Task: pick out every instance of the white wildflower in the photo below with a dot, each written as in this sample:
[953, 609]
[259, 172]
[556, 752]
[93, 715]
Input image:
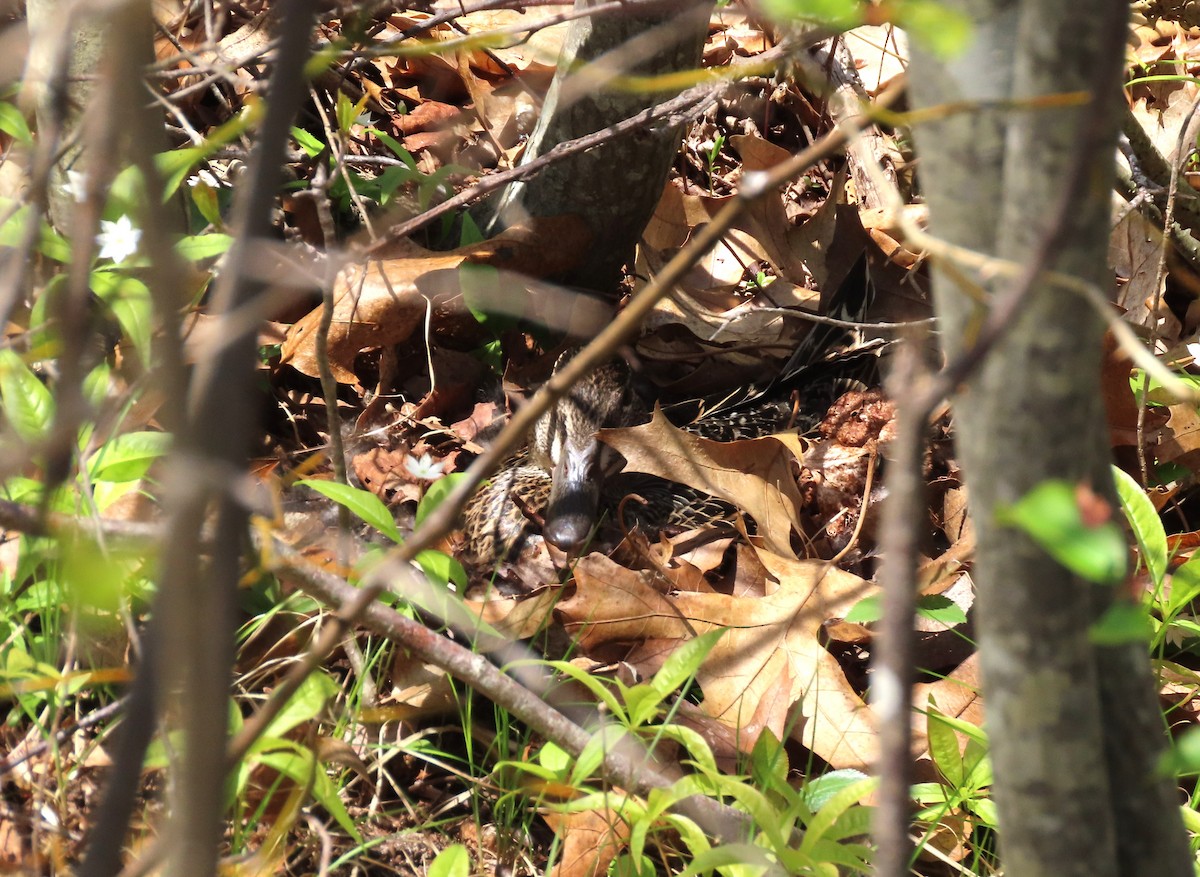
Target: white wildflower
[206, 177]
[118, 240]
[424, 469]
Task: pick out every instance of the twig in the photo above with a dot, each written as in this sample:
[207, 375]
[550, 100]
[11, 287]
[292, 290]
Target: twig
[95, 717]
[1187, 137]
[626, 763]
[907, 325]
[193, 613]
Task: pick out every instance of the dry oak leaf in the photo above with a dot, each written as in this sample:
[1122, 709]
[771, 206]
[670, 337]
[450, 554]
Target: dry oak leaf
[1181, 437]
[591, 840]
[382, 301]
[769, 670]
[756, 475]
[796, 252]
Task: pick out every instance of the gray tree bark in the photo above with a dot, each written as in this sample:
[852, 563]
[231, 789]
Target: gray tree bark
[1074, 726]
[615, 186]
[67, 44]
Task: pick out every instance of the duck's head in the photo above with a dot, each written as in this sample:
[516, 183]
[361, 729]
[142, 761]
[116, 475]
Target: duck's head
[565, 443]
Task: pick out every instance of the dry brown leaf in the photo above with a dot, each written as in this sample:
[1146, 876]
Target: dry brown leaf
[1120, 404]
[744, 326]
[958, 695]
[534, 50]
[889, 236]
[1133, 251]
[383, 301]
[797, 253]
[769, 670]
[417, 689]
[1163, 114]
[1181, 437]
[880, 54]
[675, 215]
[515, 618]
[755, 475]
[591, 840]
[376, 304]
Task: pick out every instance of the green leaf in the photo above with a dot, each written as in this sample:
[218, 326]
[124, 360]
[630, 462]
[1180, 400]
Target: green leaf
[943, 748]
[28, 403]
[453, 861]
[818, 791]
[49, 243]
[362, 503]
[838, 14]
[310, 144]
[683, 663]
[303, 706]
[941, 609]
[128, 457]
[442, 569]
[177, 164]
[696, 746]
[747, 858]
[768, 762]
[12, 123]
[834, 807]
[96, 384]
[943, 31]
[129, 301]
[300, 764]
[591, 757]
[1185, 586]
[99, 579]
[1051, 516]
[866, 610]
[347, 112]
[1146, 524]
[203, 246]
[207, 202]
[554, 758]
[394, 145]
[1184, 757]
[985, 811]
[642, 703]
[435, 494]
[1122, 623]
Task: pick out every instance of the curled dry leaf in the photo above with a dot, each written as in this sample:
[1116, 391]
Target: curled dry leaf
[755, 475]
[382, 301]
[769, 670]
[591, 840]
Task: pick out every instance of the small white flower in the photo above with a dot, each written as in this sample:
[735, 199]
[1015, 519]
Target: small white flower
[1177, 636]
[118, 240]
[204, 176]
[424, 469]
[76, 186]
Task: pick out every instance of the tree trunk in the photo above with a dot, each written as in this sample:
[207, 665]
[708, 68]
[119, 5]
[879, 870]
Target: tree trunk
[65, 51]
[615, 186]
[1074, 727]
